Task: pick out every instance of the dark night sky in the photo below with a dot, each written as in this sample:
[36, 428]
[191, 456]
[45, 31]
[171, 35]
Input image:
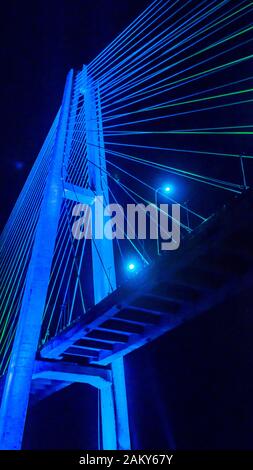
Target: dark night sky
[40, 42]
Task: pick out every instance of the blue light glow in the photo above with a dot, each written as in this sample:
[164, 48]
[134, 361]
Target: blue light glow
[168, 189]
[131, 267]
[19, 165]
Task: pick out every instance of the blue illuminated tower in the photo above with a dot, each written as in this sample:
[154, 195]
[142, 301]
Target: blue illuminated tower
[115, 432]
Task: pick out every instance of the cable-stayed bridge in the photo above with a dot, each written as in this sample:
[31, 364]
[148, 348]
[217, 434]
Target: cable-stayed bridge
[170, 97]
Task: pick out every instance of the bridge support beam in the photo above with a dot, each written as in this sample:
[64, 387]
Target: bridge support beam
[104, 280]
[19, 376]
[108, 419]
[120, 403]
[115, 426]
[114, 412]
[113, 402]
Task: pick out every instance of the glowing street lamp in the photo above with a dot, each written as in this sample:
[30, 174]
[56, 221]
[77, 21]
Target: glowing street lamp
[167, 189]
[163, 190]
[131, 267]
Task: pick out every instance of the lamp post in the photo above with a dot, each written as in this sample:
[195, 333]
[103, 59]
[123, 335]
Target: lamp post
[164, 190]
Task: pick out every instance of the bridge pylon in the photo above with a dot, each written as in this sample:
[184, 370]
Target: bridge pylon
[15, 398]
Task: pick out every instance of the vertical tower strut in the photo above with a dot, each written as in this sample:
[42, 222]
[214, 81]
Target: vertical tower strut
[104, 280]
[18, 381]
[115, 427]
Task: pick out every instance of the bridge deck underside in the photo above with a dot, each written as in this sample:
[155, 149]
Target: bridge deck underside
[214, 263]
